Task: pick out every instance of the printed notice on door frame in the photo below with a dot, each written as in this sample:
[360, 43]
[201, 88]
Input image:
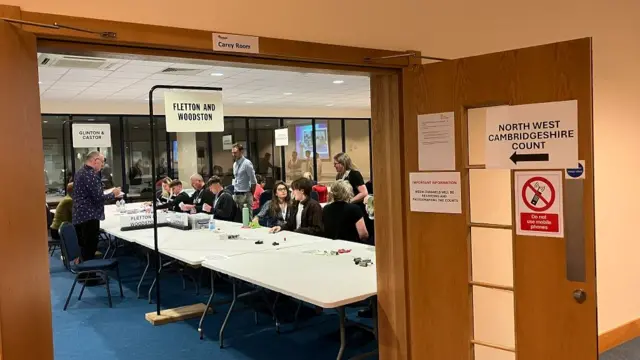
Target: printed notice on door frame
[436, 142]
[435, 192]
[539, 203]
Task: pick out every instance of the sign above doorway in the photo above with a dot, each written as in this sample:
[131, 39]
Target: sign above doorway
[532, 136]
[236, 43]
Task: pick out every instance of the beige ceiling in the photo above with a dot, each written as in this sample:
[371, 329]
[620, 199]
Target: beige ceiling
[125, 80]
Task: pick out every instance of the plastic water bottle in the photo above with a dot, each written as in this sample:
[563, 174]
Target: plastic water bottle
[123, 206]
[212, 223]
[246, 216]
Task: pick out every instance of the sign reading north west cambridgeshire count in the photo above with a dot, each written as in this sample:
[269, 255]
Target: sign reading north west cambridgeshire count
[533, 136]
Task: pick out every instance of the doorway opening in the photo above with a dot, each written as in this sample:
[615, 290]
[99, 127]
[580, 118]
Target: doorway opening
[288, 284]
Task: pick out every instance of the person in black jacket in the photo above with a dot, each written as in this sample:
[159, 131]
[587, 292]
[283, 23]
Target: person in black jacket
[222, 206]
[182, 200]
[306, 214]
[201, 195]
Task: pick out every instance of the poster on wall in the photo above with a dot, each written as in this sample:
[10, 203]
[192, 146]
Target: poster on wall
[539, 203]
[227, 142]
[436, 142]
[194, 111]
[304, 141]
[435, 192]
[91, 135]
[282, 137]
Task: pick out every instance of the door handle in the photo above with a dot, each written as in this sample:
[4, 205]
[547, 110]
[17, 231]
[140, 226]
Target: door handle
[579, 296]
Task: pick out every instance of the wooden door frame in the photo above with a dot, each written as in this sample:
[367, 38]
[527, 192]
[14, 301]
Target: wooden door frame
[392, 105]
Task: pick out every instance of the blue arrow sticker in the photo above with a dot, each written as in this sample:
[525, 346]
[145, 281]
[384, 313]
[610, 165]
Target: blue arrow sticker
[576, 173]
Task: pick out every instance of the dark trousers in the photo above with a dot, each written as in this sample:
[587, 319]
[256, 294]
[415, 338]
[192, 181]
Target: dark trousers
[88, 235]
[55, 235]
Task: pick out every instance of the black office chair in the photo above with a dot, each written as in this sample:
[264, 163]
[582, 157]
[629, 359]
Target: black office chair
[53, 244]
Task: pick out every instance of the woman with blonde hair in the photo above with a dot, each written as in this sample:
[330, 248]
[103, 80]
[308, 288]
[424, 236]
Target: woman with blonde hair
[342, 219]
[164, 197]
[348, 171]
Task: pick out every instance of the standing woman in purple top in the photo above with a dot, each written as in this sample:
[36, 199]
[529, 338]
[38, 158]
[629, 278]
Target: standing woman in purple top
[88, 203]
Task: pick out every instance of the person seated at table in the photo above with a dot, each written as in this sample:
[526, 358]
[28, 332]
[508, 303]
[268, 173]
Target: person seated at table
[164, 197]
[342, 219]
[201, 195]
[63, 213]
[222, 206]
[306, 213]
[276, 211]
[182, 200]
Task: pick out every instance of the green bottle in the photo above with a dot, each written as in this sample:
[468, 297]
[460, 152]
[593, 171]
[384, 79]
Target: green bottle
[246, 216]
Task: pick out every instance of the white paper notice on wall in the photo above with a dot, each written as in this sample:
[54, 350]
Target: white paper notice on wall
[282, 137]
[435, 192]
[91, 135]
[533, 136]
[194, 111]
[236, 43]
[227, 142]
[436, 142]
[539, 203]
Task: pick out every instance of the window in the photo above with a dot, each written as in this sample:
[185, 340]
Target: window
[54, 155]
[263, 153]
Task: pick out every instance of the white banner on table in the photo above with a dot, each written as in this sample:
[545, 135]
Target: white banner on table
[91, 135]
[194, 111]
[227, 142]
[141, 219]
[282, 137]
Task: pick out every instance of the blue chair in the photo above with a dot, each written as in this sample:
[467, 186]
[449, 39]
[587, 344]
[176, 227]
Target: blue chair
[71, 249]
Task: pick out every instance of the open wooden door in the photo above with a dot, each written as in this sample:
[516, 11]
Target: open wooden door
[25, 305]
[477, 289]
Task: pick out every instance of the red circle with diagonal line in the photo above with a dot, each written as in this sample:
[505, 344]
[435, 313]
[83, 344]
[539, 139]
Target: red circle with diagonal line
[542, 203]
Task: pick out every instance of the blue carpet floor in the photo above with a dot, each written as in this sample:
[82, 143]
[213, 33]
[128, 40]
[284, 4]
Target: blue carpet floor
[89, 329]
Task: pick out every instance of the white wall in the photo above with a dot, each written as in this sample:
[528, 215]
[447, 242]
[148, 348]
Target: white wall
[457, 28]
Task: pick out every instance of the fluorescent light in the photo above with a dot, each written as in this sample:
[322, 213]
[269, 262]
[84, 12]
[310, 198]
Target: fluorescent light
[338, 81]
[329, 104]
[45, 121]
[288, 93]
[249, 102]
[217, 74]
[91, 119]
[40, 82]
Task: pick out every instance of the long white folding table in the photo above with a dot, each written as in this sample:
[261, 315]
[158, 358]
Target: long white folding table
[299, 266]
[308, 273]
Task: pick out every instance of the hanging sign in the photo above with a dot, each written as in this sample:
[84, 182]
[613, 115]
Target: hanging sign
[576, 172]
[539, 203]
[91, 135]
[534, 136]
[227, 142]
[435, 192]
[194, 111]
[236, 43]
[282, 137]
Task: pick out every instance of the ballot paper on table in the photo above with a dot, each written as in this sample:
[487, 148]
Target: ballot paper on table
[109, 191]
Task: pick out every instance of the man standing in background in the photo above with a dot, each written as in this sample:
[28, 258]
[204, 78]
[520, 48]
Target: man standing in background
[244, 178]
[88, 203]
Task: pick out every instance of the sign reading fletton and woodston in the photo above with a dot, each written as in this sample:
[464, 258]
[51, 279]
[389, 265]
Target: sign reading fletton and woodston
[190, 111]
